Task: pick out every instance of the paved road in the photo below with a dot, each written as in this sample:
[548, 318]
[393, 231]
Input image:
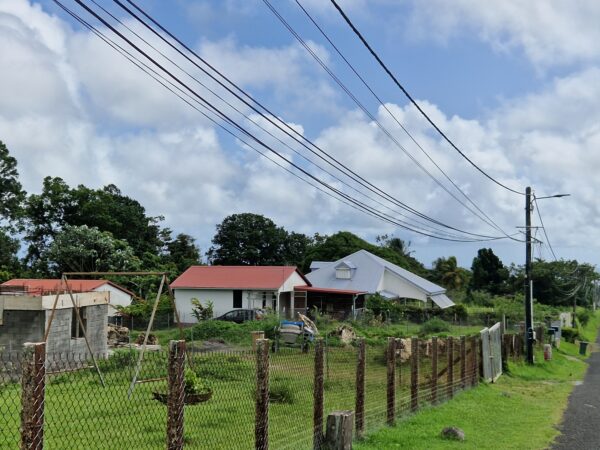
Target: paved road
[581, 426]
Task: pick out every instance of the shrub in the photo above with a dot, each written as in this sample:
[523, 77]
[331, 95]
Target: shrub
[280, 392]
[584, 316]
[202, 312]
[570, 334]
[435, 325]
[223, 367]
[194, 384]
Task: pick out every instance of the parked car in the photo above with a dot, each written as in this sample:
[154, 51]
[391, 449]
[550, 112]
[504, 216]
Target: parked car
[242, 315]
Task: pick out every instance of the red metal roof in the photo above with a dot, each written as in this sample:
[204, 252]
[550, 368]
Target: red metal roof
[34, 286]
[327, 290]
[235, 277]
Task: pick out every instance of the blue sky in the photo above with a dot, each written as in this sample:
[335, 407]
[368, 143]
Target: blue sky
[514, 85]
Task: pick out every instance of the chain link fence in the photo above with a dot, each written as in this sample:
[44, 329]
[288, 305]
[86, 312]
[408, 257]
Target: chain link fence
[242, 399]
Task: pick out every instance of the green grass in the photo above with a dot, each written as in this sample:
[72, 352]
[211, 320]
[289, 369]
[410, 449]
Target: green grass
[521, 410]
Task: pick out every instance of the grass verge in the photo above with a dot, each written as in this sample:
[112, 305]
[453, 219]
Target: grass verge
[520, 411]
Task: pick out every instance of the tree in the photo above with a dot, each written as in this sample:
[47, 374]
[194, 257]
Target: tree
[247, 239]
[9, 262]
[12, 194]
[182, 252]
[106, 209]
[489, 274]
[446, 272]
[85, 249]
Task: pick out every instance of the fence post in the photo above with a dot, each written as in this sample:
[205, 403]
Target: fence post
[434, 369]
[450, 374]
[463, 362]
[540, 336]
[261, 424]
[504, 352]
[391, 381]
[339, 430]
[359, 416]
[475, 366]
[33, 382]
[414, 373]
[176, 396]
[318, 396]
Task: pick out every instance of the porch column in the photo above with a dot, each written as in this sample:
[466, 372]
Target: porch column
[354, 306]
[292, 305]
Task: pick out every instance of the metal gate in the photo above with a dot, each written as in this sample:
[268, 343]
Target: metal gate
[491, 346]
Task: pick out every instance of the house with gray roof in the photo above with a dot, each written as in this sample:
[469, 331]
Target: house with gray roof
[362, 272]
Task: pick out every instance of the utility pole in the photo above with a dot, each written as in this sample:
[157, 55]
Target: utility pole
[528, 280]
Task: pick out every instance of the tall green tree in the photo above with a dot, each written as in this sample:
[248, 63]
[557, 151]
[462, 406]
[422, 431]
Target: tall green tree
[106, 209]
[182, 252]
[87, 249]
[447, 272]
[12, 194]
[488, 273]
[10, 267]
[247, 239]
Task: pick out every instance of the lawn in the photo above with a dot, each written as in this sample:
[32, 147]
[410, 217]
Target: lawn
[520, 411]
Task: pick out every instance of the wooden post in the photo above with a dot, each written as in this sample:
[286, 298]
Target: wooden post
[540, 335]
[463, 362]
[391, 381]
[261, 425]
[434, 369]
[475, 364]
[360, 388]
[33, 389]
[450, 374]
[504, 352]
[414, 374]
[176, 397]
[255, 336]
[318, 389]
[339, 430]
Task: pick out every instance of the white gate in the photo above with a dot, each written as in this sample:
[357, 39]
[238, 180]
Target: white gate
[491, 346]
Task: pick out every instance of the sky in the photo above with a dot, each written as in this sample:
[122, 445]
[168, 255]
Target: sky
[514, 84]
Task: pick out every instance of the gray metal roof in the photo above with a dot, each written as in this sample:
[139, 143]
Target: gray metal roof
[368, 274]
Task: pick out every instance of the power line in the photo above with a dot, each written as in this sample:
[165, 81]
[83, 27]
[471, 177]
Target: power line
[247, 117]
[537, 208]
[375, 120]
[412, 100]
[354, 176]
[384, 105]
[244, 131]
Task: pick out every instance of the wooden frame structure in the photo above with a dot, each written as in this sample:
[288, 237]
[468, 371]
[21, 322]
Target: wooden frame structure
[164, 281]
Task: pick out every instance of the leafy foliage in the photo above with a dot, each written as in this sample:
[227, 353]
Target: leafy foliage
[12, 194]
[434, 325]
[202, 312]
[489, 274]
[254, 240]
[195, 384]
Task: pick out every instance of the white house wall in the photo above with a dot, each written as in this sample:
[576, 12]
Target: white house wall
[393, 283]
[117, 297]
[222, 301]
[293, 280]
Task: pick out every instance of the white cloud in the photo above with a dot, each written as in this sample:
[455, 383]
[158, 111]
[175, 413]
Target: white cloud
[549, 32]
[100, 121]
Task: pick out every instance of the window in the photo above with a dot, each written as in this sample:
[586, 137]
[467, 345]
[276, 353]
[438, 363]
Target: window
[342, 273]
[76, 330]
[237, 299]
[264, 300]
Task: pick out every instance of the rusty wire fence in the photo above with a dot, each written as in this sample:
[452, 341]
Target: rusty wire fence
[251, 399]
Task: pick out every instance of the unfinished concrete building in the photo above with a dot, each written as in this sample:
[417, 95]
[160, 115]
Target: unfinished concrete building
[24, 318]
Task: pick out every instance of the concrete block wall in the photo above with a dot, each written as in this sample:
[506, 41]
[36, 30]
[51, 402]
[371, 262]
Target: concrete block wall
[60, 341]
[20, 327]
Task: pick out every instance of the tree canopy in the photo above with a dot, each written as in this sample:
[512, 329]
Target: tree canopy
[255, 240]
[12, 194]
[488, 273]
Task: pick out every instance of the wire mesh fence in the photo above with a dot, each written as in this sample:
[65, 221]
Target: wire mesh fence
[101, 408]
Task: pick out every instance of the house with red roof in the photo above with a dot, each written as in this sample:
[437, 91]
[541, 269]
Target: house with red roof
[118, 295]
[240, 287]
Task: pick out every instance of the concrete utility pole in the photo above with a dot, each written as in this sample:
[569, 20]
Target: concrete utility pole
[528, 274]
[528, 282]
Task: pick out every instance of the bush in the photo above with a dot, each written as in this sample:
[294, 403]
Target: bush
[435, 325]
[584, 316]
[202, 312]
[570, 334]
[194, 384]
